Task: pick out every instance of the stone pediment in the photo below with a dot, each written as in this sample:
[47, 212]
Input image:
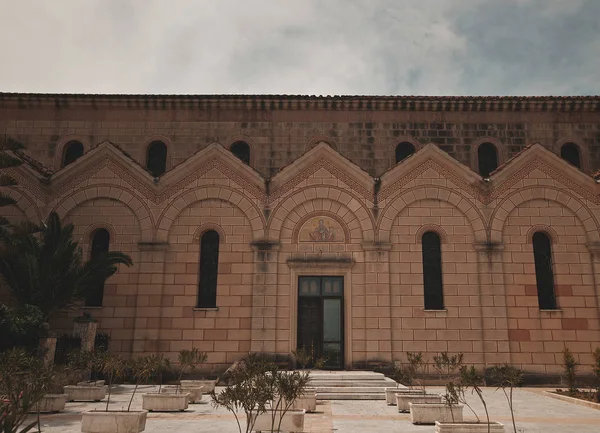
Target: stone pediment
[321, 161]
[429, 157]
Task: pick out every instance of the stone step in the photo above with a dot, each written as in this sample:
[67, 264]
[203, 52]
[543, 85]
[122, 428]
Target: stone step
[353, 383]
[350, 396]
[351, 389]
[359, 375]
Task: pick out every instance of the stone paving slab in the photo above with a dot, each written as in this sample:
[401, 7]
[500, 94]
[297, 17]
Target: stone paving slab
[535, 413]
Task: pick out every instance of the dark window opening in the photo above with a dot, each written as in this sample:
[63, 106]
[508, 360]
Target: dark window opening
[542, 253]
[156, 158]
[404, 150]
[432, 271]
[209, 269]
[242, 151]
[570, 153]
[72, 152]
[487, 158]
[100, 243]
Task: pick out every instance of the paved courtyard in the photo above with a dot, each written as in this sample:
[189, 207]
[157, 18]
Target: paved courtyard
[535, 413]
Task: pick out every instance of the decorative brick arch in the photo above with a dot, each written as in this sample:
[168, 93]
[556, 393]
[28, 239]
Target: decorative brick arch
[234, 139]
[207, 227]
[87, 235]
[63, 206]
[561, 197]
[305, 218]
[322, 139]
[439, 230]
[333, 194]
[432, 192]
[216, 192]
[148, 141]
[542, 228]
[25, 204]
[500, 149]
[401, 139]
[60, 148]
[584, 153]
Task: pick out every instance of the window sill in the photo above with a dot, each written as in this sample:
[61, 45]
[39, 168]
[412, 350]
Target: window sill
[444, 310]
[551, 310]
[92, 308]
[206, 309]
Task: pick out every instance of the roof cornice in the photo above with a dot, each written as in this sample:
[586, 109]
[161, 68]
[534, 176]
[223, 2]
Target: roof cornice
[308, 102]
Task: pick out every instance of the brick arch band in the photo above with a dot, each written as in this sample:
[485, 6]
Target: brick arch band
[338, 198]
[187, 198]
[127, 197]
[208, 227]
[408, 197]
[26, 204]
[300, 223]
[562, 198]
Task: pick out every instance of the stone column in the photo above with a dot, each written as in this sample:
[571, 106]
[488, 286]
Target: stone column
[86, 330]
[264, 297]
[47, 346]
[594, 249]
[494, 344]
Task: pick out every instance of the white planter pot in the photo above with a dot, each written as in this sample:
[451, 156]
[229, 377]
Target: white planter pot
[292, 421]
[208, 386]
[424, 413]
[85, 393]
[165, 402]
[50, 403]
[113, 421]
[403, 400]
[194, 392]
[91, 383]
[308, 403]
[390, 394]
[468, 427]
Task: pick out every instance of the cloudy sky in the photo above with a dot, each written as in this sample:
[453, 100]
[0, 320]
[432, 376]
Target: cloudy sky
[321, 47]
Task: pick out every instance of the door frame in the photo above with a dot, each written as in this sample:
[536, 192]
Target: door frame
[341, 269]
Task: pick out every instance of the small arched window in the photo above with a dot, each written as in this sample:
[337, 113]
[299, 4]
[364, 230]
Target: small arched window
[242, 151]
[209, 270]
[100, 243]
[570, 153]
[432, 271]
[487, 159]
[542, 254]
[156, 158]
[404, 150]
[73, 151]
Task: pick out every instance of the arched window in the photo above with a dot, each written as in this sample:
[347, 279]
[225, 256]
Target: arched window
[487, 159]
[542, 254]
[156, 158]
[404, 150]
[432, 271]
[242, 151]
[570, 153]
[73, 151]
[209, 270]
[100, 243]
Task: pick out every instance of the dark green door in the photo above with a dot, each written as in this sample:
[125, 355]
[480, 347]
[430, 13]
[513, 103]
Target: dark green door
[321, 319]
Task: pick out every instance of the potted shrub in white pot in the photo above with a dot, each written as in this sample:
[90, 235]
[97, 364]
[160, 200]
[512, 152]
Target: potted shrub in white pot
[156, 401]
[188, 361]
[450, 409]
[81, 363]
[193, 360]
[507, 378]
[110, 421]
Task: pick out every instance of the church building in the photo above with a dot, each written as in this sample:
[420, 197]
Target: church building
[355, 227]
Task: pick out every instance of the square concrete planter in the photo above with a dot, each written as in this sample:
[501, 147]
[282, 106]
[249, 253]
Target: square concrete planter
[403, 400]
[207, 385]
[292, 421]
[423, 413]
[50, 403]
[96, 421]
[307, 402]
[91, 383]
[390, 394]
[85, 393]
[155, 402]
[195, 392]
[468, 427]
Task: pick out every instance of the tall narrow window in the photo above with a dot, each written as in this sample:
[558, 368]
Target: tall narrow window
[487, 158]
[156, 158]
[209, 270]
[242, 151]
[404, 150]
[73, 151]
[542, 254]
[432, 271]
[570, 153]
[100, 243]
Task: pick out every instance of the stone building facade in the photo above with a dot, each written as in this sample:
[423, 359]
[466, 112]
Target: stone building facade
[358, 227]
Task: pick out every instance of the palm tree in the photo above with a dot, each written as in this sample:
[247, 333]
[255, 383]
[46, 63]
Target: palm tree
[47, 269]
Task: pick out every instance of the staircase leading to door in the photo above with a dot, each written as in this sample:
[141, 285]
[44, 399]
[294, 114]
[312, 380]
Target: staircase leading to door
[350, 385]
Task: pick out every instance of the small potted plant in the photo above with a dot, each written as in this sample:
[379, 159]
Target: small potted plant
[156, 401]
[81, 362]
[406, 375]
[55, 400]
[188, 361]
[507, 378]
[450, 409]
[110, 421]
